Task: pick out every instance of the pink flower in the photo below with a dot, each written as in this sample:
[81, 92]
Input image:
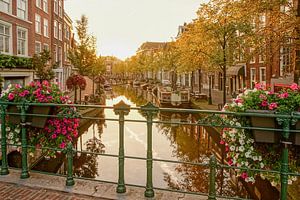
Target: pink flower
[294, 86]
[230, 162]
[53, 136]
[222, 142]
[62, 145]
[264, 103]
[262, 96]
[283, 95]
[273, 106]
[11, 96]
[22, 94]
[238, 100]
[258, 86]
[270, 93]
[244, 175]
[18, 86]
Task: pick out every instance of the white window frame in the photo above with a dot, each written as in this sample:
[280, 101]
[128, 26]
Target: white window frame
[55, 32]
[46, 45]
[60, 56]
[60, 31]
[38, 24]
[20, 9]
[252, 59]
[252, 78]
[56, 53]
[261, 58]
[38, 3]
[26, 41]
[261, 77]
[45, 6]
[285, 58]
[56, 6]
[9, 3]
[9, 39]
[60, 8]
[46, 27]
[35, 49]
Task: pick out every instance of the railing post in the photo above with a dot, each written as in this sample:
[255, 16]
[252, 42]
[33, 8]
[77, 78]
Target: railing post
[4, 166]
[149, 110]
[24, 108]
[212, 178]
[285, 122]
[70, 152]
[121, 109]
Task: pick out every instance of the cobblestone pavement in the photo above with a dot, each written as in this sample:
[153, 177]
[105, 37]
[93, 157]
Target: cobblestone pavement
[9, 191]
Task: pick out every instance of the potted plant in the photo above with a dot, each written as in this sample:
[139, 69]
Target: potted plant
[35, 92]
[56, 131]
[243, 147]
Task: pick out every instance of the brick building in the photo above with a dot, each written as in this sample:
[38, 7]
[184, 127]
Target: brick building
[29, 26]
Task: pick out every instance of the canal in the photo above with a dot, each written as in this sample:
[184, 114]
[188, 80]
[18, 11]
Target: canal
[171, 142]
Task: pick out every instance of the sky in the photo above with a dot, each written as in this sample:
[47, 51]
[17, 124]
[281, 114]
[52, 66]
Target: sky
[121, 26]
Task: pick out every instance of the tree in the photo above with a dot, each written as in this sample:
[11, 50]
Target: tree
[83, 55]
[42, 66]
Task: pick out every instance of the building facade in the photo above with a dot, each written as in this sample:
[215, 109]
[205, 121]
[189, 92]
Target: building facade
[27, 27]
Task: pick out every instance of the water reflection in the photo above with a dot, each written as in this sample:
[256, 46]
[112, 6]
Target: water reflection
[186, 143]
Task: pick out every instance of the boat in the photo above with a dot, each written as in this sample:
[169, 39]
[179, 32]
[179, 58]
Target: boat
[166, 97]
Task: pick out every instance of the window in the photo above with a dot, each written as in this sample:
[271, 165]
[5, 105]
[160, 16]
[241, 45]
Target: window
[37, 23]
[5, 38]
[285, 59]
[45, 5]
[21, 9]
[262, 21]
[60, 31]
[38, 47]
[55, 53]
[60, 10]
[60, 56]
[46, 47]
[262, 75]
[46, 29]
[261, 58]
[5, 6]
[252, 77]
[252, 59]
[66, 49]
[22, 41]
[38, 3]
[56, 6]
[55, 29]
[67, 32]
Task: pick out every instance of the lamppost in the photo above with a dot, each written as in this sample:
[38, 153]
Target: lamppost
[209, 88]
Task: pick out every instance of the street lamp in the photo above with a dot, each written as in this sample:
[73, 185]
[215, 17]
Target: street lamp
[209, 88]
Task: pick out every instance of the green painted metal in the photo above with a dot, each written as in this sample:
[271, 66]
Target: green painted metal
[4, 166]
[121, 109]
[212, 178]
[285, 156]
[70, 153]
[24, 108]
[211, 119]
[149, 110]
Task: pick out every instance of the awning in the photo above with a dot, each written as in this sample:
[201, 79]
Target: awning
[235, 70]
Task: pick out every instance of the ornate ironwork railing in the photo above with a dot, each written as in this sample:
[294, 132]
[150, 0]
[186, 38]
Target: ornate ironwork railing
[211, 119]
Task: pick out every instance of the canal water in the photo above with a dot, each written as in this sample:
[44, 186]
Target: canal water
[171, 142]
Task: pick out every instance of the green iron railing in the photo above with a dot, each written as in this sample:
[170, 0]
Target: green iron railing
[211, 119]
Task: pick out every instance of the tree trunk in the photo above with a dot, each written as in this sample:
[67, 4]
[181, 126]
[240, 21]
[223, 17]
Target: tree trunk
[224, 85]
[75, 95]
[297, 63]
[79, 95]
[200, 81]
[192, 82]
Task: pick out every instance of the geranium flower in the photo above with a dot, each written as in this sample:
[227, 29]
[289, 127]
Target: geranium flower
[294, 86]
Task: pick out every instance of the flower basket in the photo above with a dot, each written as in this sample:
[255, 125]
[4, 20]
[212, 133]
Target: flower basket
[36, 121]
[264, 122]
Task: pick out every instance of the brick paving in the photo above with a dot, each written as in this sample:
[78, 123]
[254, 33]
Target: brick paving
[9, 191]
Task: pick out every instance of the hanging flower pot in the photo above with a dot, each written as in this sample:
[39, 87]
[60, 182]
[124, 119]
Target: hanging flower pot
[265, 136]
[35, 121]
